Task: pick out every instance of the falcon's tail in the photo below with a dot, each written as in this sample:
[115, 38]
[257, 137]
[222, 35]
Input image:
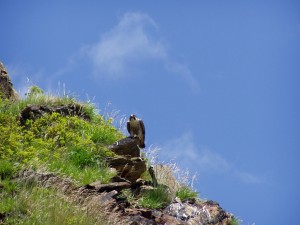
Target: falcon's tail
[142, 145]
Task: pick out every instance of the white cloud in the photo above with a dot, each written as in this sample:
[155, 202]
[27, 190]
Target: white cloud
[247, 178]
[185, 72]
[134, 40]
[125, 44]
[185, 152]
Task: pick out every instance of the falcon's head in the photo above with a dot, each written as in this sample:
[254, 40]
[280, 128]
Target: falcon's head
[132, 117]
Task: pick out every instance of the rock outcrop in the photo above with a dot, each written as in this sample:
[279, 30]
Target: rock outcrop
[32, 112]
[109, 199]
[126, 147]
[205, 212]
[128, 162]
[6, 87]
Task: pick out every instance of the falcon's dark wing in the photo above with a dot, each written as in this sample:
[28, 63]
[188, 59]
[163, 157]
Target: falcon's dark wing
[142, 127]
[128, 127]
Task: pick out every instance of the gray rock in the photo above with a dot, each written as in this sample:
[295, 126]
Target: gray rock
[204, 213]
[108, 196]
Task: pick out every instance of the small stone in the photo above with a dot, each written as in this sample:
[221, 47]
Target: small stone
[118, 186]
[108, 196]
[177, 200]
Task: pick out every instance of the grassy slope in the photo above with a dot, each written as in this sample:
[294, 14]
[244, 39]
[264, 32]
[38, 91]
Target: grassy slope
[68, 145]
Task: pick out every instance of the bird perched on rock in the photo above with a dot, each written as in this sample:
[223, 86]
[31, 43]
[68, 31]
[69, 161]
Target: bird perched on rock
[136, 128]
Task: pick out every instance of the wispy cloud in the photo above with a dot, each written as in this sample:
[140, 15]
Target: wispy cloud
[132, 43]
[134, 40]
[247, 178]
[183, 71]
[127, 43]
[184, 150]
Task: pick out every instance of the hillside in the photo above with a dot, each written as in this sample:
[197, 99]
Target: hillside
[61, 162]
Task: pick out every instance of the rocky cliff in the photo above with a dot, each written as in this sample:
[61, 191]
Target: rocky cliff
[120, 199]
[130, 166]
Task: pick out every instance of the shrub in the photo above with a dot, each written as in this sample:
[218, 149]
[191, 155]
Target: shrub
[185, 193]
[9, 186]
[34, 90]
[6, 169]
[10, 137]
[81, 157]
[102, 132]
[156, 198]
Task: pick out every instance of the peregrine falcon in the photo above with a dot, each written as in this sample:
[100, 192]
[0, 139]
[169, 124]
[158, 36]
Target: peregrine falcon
[136, 128]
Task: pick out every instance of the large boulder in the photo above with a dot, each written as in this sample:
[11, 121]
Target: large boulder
[129, 168]
[6, 87]
[128, 162]
[206, 212]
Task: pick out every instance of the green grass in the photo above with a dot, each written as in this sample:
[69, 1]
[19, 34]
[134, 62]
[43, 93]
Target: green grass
[83, 175]
[185, 193]
[156, 198]
[37, 205]
[235, 221]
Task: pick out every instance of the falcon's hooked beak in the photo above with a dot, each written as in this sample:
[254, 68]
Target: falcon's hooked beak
[132, 117]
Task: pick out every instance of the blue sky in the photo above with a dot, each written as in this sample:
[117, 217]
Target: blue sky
[216, 83]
